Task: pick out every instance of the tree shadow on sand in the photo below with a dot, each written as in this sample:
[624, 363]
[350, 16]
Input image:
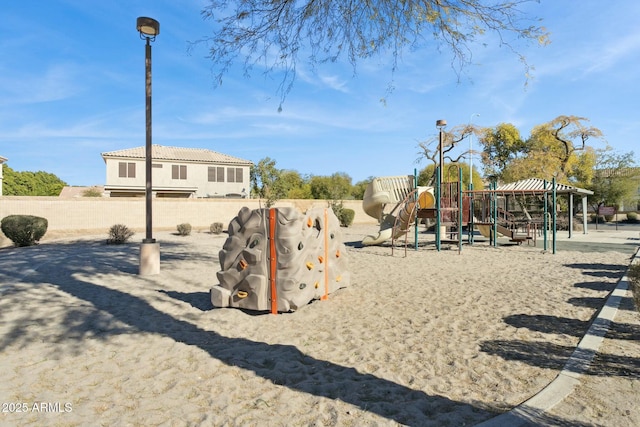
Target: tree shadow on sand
[106, 312]
[199, 300]
[554, 356]
[111, 312]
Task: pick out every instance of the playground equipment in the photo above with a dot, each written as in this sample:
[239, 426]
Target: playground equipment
[493, 215]
[279, 259]
[405, 198]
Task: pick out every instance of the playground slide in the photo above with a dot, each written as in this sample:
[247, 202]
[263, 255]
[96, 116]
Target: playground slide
[485, 230]
[393, 191]
[385, 190]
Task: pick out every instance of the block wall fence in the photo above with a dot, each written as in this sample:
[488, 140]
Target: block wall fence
[89, 215]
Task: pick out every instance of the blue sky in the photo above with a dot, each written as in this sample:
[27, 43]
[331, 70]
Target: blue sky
[72, 87]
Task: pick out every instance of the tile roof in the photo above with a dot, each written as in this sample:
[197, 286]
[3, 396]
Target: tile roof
[161, 152]
[537, 184]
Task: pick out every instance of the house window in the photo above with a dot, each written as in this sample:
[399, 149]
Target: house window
[126, 170]
[216, 174]
[179, 171]
[234, 174]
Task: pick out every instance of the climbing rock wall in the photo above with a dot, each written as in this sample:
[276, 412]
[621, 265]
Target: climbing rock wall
[279, 259]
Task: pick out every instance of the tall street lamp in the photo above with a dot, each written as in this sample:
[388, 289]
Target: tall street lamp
[441, 124]
[148, 29]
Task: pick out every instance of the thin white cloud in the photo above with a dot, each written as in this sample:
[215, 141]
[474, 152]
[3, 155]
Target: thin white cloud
[628, 47]
[57, 82]
[334, 82]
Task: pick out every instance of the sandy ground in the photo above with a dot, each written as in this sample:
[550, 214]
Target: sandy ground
[430, 339]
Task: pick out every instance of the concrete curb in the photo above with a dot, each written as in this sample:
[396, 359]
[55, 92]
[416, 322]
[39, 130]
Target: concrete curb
[533, 409]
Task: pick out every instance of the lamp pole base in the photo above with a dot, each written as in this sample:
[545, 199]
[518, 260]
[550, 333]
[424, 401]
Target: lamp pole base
[149, 258]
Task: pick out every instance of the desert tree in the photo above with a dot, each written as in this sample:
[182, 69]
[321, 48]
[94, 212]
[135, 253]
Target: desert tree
[337, 186]
[615, 180]
[563, 142]
[430, 151]
[276, 35]
[502, 145]
[295, 185]
[265, 181]
[557, 149]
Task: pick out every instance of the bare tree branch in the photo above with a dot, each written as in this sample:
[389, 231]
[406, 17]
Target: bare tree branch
[277, 34]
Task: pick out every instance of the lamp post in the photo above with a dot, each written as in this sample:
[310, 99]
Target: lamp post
[148, 29]
[440, 229]
[441, 124]
[471, 152]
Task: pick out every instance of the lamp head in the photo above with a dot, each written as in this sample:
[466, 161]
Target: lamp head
[441, 123]
[147, 27]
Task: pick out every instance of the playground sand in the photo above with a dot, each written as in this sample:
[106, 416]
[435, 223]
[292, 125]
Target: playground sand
[430, 339]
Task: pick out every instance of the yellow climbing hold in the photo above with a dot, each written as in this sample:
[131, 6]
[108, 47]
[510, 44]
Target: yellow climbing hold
[310, 265]
[338, 278]
[243, 294]
[316, 285]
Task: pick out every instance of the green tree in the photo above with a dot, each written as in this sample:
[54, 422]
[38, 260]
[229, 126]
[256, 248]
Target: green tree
[562, 145]
[360, 187]
[615, 181]
[27, 183]
[501, 146]
[426, 175]
[294, 185]
[334, 187]
[275, 34]
[265, 181]
[554, 149]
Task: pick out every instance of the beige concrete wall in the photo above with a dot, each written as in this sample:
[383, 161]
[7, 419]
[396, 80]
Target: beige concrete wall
[89, 215]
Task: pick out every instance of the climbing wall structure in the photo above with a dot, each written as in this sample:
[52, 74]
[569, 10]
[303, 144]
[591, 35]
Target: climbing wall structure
[279, 259]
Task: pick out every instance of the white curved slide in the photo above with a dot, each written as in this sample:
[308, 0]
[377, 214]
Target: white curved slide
[393, 191]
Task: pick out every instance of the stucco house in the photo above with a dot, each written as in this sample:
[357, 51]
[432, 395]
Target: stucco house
[176, 172]
[2, 160]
